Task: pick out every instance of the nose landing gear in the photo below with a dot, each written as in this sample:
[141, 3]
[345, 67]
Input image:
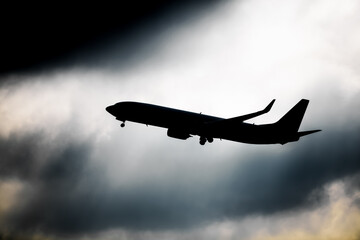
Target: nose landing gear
[122, 124]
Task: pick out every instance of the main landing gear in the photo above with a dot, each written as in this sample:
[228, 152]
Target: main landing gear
[122, 124]
[203, 140]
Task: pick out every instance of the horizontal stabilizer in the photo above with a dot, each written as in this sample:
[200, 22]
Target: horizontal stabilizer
[301, 134]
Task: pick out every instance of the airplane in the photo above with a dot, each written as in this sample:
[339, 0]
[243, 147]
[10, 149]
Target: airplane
[183, 124]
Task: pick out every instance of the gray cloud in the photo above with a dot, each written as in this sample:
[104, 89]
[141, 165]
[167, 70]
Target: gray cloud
[33, 157]
[66, 193]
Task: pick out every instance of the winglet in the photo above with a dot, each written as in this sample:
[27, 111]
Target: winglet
[267, 109]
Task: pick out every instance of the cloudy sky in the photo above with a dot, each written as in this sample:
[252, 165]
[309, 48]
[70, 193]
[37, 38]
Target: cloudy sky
[68, 171]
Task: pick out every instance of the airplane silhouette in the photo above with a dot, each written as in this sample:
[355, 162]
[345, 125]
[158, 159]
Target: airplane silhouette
[183, 124]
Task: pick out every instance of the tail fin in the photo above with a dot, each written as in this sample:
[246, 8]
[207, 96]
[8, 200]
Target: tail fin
[292, 119]
[289, 124]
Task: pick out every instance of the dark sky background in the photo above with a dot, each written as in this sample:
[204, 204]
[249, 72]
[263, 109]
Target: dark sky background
[67, 170]
[39, 36]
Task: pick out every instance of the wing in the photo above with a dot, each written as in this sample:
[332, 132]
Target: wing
[252, 115]
[247, 116]
[210, 126]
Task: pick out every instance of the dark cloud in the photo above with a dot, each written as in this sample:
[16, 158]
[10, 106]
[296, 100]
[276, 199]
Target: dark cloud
[67, 194]
[18, 156]
[38, 36]
[32, 157]
[295, 180]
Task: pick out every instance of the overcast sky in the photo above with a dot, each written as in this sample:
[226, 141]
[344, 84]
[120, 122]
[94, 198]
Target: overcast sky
[68, 171]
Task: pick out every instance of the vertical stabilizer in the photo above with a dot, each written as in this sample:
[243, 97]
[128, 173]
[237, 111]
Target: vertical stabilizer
[292, 119]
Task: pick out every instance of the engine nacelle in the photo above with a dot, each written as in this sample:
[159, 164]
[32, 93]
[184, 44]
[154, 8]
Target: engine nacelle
[179, 134]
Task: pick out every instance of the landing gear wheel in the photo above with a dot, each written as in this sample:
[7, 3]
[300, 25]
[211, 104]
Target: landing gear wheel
[202, 141]
[122, 125]
[210, 140]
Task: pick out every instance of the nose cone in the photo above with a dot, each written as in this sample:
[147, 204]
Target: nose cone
[110, 109]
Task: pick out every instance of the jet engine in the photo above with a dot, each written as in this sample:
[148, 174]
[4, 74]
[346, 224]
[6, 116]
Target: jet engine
[179, 134]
